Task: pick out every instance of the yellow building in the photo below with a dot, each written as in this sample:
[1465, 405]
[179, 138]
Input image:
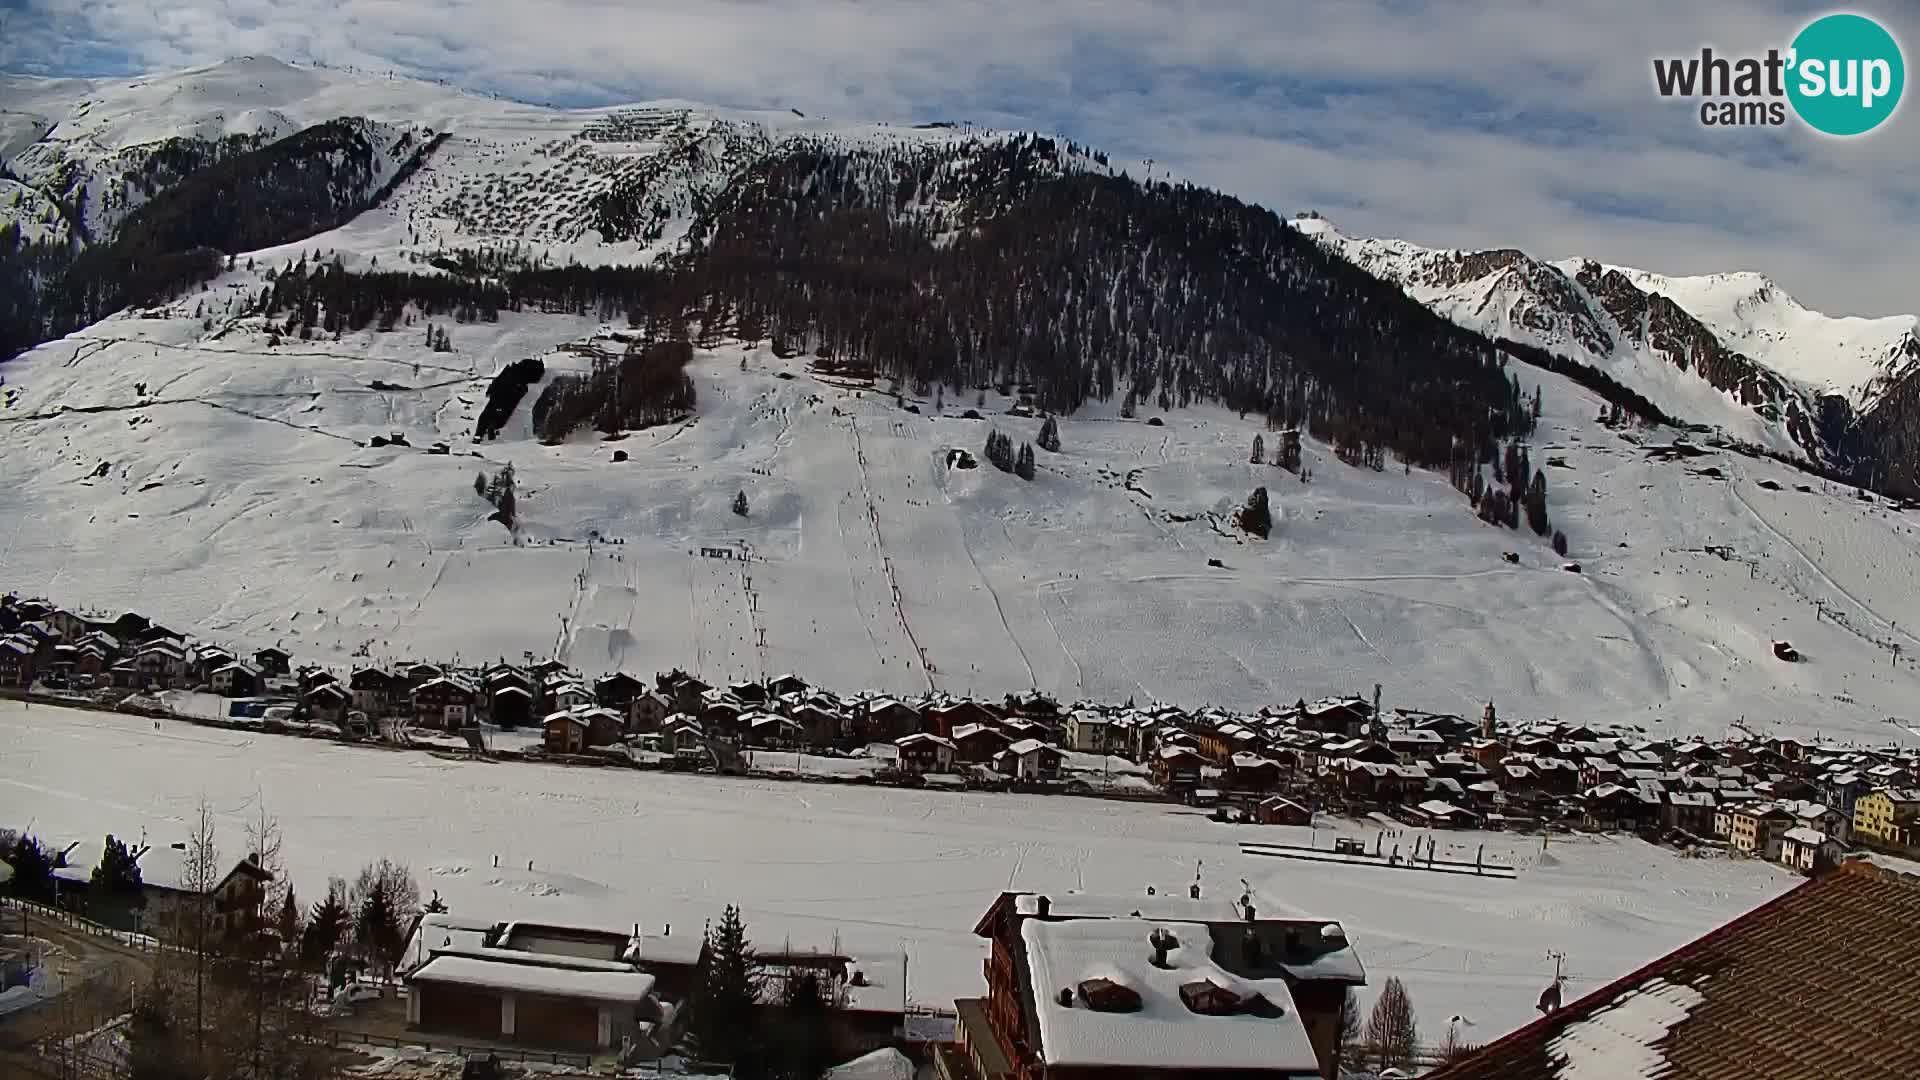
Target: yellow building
[1888, 816]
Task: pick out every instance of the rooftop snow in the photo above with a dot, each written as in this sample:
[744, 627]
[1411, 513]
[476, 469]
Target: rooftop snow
[1619, 1041]
[615, 986]
[1164, 1033]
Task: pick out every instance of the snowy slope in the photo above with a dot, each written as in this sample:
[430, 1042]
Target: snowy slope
[242, 478]
[1856, 358]
[509, 174]
[1692, 359]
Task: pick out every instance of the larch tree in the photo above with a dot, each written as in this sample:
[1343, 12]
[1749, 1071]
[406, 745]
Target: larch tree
[1393, 1033]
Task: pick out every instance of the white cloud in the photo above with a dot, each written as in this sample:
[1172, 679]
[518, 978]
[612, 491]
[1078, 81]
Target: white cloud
[1447, 122]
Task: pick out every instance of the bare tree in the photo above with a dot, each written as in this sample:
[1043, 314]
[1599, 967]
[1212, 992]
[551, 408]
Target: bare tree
[1393, 1035]
[200, 877]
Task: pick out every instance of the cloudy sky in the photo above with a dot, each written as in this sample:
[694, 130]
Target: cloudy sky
[1525, 123]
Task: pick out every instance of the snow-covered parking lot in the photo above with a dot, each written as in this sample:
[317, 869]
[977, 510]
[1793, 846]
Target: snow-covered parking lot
[881, 868]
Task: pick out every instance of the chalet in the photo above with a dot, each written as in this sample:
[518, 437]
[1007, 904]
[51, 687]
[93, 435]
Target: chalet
[550, 671]
[1097, 987]
[1439, 814]
[1338, 716]
[16, 662]
[948, 717]
[1252, 774]
[1030, 759]
[419, 674]
[272, 661]
[511, 705]
[1088, 732]
[561, 696]
[1177, 769]
[749, 693]
[328, 702]
[375, 691]
[162, 664]
[203, 659]
[885, 719]
[819, 727]
[977, 743]
[562, 988]
[1842, 789]
[1453, 730]
[682, 732]
[720, 713]
[771, 731]
[1888, 817]
[445, 702]
[1688, 811]
[565, 733]
[1411, 746]
[70, 626]
[922, 753]
[239, 901]
[686, 690]
[617, 691]
[234, 679]
[1808, 850]
[1803, 958]
[1754, 829]
[1618, 807]
[648, 710]
[783, 685]
[1275, 810]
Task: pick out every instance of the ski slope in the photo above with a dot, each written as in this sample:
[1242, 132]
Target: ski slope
[883, 870]
[238, 497]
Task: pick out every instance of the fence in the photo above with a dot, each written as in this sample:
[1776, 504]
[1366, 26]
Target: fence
[80, 923]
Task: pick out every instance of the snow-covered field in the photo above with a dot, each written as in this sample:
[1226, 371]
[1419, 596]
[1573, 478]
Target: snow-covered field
[884, 869]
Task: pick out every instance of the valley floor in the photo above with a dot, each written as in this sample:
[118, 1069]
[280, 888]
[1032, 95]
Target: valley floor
[883, 870]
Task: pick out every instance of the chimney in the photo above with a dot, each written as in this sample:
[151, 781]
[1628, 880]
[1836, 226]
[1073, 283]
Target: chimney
[1043, 906]
[1248, 901]
[1163, 943]
[1194, 891]
[1066, 997]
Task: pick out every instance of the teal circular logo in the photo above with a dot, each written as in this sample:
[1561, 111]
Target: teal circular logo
[1846, 74]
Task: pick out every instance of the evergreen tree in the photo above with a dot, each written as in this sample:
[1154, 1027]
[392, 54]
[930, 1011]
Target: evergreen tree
[740, 504]
[1255, 517]
[1259, 451]
[1393, 1034]
[118, 873]
[725, 1005]
[32, 870]
[1559, 543]
[480, 484]
[377, 931]
[1049, 439]
[1537, 504]
[286, 922]
[325, 927]
[1023, 462]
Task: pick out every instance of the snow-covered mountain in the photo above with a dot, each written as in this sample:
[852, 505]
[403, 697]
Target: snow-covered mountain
[1732, 351]
[210, 457]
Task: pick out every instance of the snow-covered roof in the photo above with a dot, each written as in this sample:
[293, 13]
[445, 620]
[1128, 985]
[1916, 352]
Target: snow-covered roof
[924, 737]
[1804, 835]
[1441, 808]
[1164, 1033]
[615, 986]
